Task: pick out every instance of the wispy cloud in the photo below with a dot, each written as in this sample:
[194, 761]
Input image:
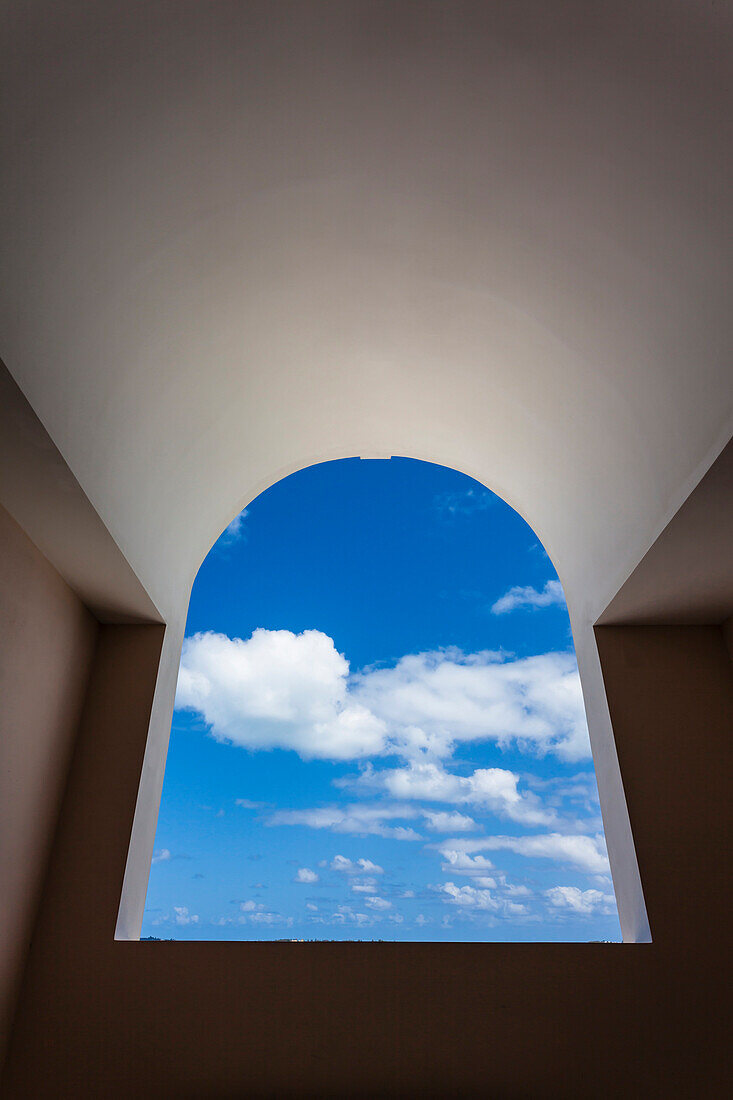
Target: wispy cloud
[465, 503]
[235, 531]
[523, 598]
[358, 819]
[161, 856]
[363, 886]
[585, 853]
[440, 821]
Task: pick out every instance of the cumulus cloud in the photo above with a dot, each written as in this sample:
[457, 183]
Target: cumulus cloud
[585, 902]
[161, 856]
[183, 917]
[359, 819]
[277, 690]
[493, 789]
[285, 690]
[254, 912]
[521, 597]
[304, 874]
[585, 853]
[472, 897]
[355, 867]
[430, 702]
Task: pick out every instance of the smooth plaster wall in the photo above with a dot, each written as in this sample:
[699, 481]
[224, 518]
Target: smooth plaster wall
[47, 640]
[103, 1018]
[42, 495]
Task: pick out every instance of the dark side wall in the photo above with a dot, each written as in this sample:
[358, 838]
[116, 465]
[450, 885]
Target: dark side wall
[107, 1019]
[47, 640]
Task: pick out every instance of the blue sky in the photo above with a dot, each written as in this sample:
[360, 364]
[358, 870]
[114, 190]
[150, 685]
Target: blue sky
[379, 731]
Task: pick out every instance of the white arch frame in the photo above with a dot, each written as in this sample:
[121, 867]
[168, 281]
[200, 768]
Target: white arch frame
[619, 839]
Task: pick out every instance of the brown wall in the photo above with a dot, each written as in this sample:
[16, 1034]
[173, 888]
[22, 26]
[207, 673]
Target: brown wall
[100, 1018]
[47, 640]
[727, 629]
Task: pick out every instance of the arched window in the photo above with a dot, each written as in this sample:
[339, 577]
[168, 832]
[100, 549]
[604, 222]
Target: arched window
[379, 728]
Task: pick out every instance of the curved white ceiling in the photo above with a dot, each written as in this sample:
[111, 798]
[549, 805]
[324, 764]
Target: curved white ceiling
[241, 237]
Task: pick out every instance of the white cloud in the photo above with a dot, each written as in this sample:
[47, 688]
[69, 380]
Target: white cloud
[183, 917]
[469, 896]
[345, 915]
[461, 863]
[366, 865]
[441, 822]
[586, 853]
[279, 689]
[235, 530]
[512, 890]
[305, 874]
[493, 789]
[357, 819]
[466, 502]
[248, 804]
[378, 903]
[162, 856]
[472, 897]
[269, 918]
[524, 597]
[429, 702]
[364, 886]
[359, 867]
[580, 901]
[253, 912]
[476, 867]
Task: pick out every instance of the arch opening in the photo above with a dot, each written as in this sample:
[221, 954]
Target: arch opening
[379, 729]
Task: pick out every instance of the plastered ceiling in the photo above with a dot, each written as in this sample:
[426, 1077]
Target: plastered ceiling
[242, 237]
